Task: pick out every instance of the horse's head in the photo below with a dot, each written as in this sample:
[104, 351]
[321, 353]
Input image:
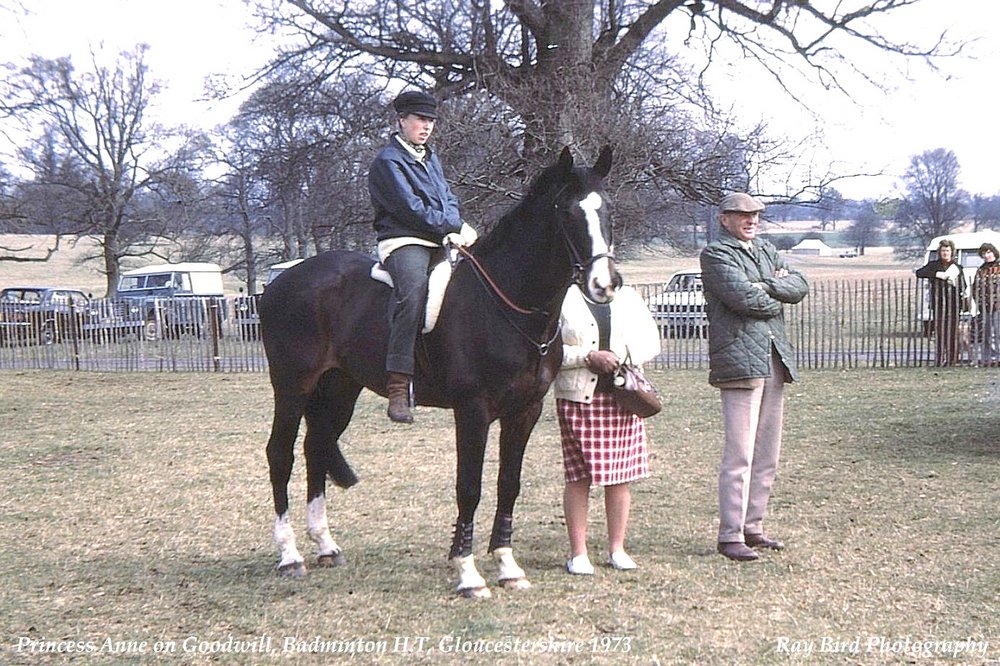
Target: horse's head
[585, 221]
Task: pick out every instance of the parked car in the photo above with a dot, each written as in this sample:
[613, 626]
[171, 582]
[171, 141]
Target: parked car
[43, 315]
[165, 300]
[679, 310]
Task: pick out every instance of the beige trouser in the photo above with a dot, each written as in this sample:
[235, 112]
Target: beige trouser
[752, 420]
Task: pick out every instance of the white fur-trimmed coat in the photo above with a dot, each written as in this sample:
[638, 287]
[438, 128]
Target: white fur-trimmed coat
[633, 332]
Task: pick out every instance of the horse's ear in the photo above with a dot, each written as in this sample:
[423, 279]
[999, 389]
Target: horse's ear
[602, 167]
[566, 159]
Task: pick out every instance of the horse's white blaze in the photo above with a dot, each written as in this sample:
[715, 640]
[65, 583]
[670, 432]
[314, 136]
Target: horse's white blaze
[284, 536]
[509, 569]
[468, 575]
[600, 272]
[318, 527]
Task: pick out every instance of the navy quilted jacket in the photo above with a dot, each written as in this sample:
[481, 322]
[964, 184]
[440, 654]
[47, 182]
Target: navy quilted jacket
[410, 198]
[745, 306]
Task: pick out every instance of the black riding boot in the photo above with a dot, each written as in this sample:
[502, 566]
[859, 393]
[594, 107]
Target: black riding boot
[398, 386]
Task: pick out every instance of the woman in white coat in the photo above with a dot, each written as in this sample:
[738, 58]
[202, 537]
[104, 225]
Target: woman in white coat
[601, 444]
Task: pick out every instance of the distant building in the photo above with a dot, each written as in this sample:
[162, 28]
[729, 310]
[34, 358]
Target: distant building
[812, 246]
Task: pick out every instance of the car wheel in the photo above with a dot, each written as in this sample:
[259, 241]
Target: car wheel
[150, 331]
[48, 336]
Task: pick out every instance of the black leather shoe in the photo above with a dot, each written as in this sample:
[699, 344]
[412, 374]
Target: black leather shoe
[737, 551]
[763, 541]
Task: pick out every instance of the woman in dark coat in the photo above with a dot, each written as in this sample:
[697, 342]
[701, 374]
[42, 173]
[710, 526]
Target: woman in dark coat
[986, 292]
[948, 293]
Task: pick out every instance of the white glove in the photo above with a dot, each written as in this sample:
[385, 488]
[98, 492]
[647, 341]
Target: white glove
[469, 234]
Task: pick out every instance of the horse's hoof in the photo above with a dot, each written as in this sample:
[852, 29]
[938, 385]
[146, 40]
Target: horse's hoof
[292, 570]
[515, 583]
[475, 593]
[331, 560]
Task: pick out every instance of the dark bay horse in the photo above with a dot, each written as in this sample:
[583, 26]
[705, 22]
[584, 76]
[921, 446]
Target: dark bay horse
[492, 355]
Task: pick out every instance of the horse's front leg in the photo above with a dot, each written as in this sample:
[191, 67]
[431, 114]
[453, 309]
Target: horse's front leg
[471, 430]
[514, 433]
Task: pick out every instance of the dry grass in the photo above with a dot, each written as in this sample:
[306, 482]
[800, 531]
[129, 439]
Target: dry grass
[69, 267]
[137, 508]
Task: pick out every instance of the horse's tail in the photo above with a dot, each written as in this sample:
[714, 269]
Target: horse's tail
[340, 471]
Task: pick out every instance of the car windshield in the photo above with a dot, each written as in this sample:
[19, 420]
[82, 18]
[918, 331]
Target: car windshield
[685, 283]
[22, 296]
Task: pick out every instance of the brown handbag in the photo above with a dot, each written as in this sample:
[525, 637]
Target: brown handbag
[633, 392]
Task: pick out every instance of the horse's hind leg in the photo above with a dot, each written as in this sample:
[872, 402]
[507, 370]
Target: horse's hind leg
[327, 415]
[514, 433]
[280, 456]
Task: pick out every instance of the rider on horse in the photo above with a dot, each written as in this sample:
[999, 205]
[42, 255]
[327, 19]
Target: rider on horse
[415, 210]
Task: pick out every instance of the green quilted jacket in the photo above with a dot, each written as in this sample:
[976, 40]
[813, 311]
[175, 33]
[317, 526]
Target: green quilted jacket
[745, 306]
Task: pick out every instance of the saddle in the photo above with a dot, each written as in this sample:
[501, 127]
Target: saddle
[438, 280]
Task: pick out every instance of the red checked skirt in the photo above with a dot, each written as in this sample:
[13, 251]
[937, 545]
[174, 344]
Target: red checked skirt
[602, 443]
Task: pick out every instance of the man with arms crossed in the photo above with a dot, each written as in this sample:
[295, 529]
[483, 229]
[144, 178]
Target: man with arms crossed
[750, 359]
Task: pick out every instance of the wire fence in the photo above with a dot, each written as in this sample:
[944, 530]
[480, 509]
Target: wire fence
[842, 324]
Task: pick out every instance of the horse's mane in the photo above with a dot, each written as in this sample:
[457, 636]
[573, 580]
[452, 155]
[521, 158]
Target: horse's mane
[546, 181]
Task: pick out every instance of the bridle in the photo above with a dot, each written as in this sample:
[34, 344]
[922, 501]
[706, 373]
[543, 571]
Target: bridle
[580, 268]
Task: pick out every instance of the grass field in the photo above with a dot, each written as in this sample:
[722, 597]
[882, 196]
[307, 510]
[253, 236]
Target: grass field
[136, 514]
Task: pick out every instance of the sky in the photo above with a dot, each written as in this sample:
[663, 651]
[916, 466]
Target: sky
[878, 132]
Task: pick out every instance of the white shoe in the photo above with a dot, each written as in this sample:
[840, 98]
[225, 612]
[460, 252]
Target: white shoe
[621, 561]
[580, 566]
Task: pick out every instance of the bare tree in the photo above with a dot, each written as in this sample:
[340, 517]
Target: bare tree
[985, 211]
[934, 203]
[588, 72]
[95, 121]
[866, 226]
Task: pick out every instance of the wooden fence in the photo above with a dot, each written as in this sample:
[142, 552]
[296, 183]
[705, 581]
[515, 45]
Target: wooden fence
[842, 324]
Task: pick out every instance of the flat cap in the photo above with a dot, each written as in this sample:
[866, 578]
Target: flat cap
[416, 101]
[740, 202]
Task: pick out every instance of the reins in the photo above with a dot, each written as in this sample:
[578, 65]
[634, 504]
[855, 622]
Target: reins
[494, 289]
[484, 276]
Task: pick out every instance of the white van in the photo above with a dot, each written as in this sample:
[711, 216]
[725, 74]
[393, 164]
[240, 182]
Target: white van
[168, 280]
[967, 256]
[163, 300]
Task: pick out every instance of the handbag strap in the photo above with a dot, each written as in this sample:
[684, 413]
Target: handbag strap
[628, 357]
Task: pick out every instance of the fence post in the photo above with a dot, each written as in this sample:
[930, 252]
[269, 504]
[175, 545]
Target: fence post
[73, 332]
[213, 313]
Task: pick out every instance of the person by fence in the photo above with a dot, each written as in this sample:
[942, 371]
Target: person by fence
[949, 297]
[986, 293]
